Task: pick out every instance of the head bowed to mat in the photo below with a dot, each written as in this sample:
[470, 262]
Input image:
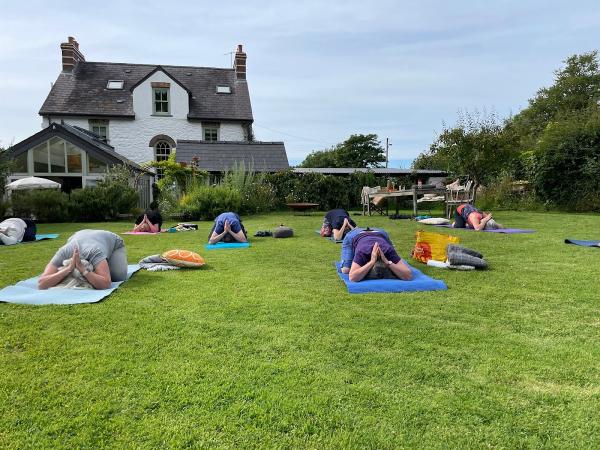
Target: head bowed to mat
[420, 282]
[27, 293]
[223, 245]
[583, 243]
[330, 238]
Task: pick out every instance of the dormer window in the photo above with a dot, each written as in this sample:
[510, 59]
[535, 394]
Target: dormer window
[114, 84]
[223, 89]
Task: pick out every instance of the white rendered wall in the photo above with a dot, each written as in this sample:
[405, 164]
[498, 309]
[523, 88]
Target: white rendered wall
[130, 137]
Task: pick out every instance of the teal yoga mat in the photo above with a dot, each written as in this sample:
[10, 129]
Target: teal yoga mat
[27, 293]
[224, 245]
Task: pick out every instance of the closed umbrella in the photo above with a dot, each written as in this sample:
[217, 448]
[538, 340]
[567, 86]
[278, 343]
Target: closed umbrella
[32, 183]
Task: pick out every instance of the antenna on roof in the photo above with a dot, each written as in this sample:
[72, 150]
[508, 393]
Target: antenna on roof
[230, 55]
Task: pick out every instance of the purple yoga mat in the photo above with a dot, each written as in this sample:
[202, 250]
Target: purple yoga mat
[502, 230]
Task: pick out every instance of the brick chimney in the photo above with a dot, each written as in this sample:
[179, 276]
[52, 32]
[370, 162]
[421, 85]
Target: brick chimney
[240, 64]
[70, 54]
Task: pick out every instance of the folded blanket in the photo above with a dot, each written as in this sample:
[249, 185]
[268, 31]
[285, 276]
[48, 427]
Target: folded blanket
[75, 280]
[156, 263]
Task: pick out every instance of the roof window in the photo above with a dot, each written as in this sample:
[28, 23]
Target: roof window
[114, 84]
[223, 90]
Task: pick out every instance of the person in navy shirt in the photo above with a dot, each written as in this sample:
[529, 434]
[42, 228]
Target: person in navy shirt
[338, 223]
[369, 253]
[227, 228]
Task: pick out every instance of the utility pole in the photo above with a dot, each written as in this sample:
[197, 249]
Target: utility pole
[387, 152]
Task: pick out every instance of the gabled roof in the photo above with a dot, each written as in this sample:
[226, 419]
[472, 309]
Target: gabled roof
[83, 92]
[222, 156]
[84, 139]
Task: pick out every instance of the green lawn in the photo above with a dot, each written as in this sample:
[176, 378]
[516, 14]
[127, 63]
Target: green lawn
[264, 348]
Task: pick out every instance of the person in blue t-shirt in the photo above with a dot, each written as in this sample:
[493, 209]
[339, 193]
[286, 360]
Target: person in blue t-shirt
[227, 228]
[369, 253]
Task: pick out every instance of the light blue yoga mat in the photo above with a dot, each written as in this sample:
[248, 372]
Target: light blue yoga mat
[420, 282]
[330, 238]
[38, 237]
[27, 293]
[222, 245]
[583, 243]
[43, 237]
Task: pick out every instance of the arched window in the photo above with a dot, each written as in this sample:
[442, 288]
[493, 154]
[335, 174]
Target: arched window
[162, 150]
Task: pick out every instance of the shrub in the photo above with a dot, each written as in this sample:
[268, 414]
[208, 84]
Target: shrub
[4, 206]
[567, 162]
[207, 202]
[45, 205]
[88, 205]
[502, 195]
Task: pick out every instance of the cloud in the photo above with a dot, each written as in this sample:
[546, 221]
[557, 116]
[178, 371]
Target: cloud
[318, 71]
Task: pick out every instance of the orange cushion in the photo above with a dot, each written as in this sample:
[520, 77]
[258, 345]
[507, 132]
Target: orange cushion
[183, 258]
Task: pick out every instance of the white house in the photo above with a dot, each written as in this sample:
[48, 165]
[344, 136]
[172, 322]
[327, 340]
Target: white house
[142, 109]
[100, 113]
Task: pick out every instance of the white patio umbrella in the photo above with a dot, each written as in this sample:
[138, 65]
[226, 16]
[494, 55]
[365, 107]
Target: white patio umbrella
[32, 183]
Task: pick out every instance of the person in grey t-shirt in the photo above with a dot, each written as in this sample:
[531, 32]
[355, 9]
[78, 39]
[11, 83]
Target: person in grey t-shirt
[104, 250]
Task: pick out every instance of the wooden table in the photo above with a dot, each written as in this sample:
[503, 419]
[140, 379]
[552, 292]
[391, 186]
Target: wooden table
[414, 193]
[302, 206]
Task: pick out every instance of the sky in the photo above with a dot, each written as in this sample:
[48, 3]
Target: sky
[317, 71]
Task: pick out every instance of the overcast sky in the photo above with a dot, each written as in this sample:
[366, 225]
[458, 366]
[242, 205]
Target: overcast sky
[317, 71]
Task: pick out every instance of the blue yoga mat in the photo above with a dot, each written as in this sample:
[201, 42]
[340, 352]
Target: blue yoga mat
[420, 282]
[27, 293]
[330, 238]
[583, 243]
[222, 245]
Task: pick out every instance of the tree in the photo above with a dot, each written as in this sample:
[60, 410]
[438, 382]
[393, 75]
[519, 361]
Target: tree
[576, 88]
[5, 167]
[476, 146]
[359, 150]
[567, 162]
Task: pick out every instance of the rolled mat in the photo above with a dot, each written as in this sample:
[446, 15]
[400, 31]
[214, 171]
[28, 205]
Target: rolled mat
[27, 293]
[420, 282]
[583, 243]
[223, 245]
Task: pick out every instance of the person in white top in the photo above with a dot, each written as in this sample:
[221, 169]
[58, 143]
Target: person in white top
[12, 231]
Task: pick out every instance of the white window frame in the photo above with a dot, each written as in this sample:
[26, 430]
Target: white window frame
[66, 173]
[211, 127]
[111, 85]
[222, 89]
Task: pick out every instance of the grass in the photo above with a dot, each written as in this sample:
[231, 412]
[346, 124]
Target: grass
[264, 348]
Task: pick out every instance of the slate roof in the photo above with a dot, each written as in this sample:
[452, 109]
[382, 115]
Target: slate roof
[83, 92]
[222, 156]
[80, 137]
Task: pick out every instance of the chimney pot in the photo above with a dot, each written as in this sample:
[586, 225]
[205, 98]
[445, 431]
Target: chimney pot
[240, 64]
[71, 54]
